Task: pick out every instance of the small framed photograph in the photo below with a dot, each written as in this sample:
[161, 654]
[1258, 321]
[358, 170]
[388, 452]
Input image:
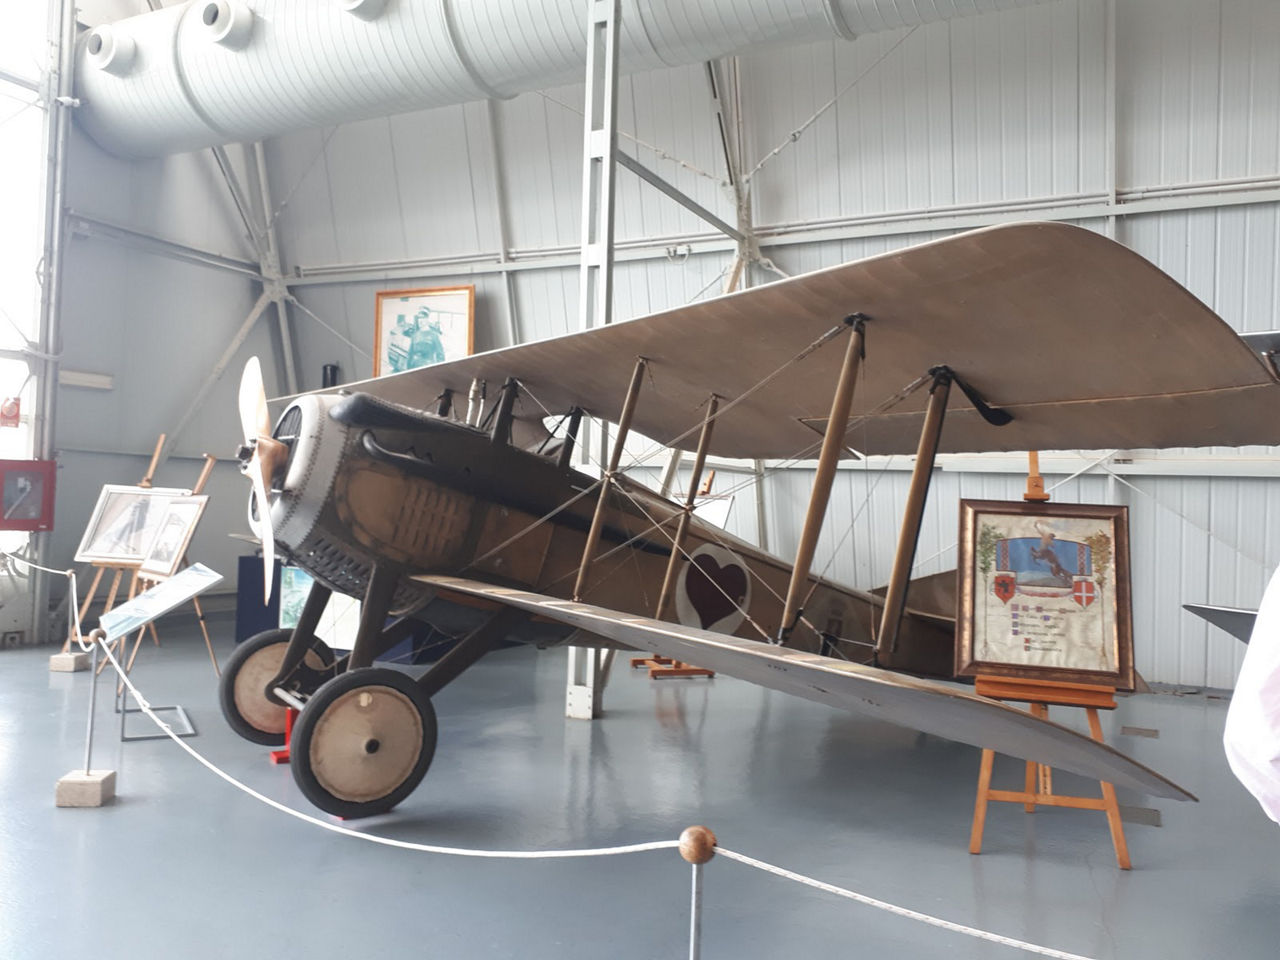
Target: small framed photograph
[416, 328]
[26, 494]
[124, 524]
[173, 537]
[1045, 592]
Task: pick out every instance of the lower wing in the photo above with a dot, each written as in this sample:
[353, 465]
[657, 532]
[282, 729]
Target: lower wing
[920, 704]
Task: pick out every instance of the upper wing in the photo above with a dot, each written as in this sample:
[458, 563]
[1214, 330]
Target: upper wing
[920, 704]
[1087, 344]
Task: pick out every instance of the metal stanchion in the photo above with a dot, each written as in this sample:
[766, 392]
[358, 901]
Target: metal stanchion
[695, 915]
[93, 701]
[88, 787]
[697, 846]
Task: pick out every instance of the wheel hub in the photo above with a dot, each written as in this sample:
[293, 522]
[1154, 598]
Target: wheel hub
[366, 743]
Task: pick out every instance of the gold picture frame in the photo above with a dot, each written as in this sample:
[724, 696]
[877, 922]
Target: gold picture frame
[1045, 592]
[416, 328]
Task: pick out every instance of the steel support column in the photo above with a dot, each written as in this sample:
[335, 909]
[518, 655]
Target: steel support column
[271, 270]
[832, 444]
[600, 141]
[58, 98]
[587, 672]
[895, 601]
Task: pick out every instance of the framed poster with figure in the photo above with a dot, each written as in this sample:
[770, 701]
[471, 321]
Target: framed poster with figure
[174, 537]
[124, 524]
[1045, 593]
[419, 327]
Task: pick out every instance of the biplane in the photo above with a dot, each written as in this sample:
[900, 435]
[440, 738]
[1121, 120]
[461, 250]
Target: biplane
[412, 495]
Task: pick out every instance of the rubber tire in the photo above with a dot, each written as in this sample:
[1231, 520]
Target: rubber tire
[231, 669]
[304, 727]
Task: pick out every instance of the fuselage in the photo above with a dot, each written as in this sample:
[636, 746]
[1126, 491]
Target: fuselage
[370, 482]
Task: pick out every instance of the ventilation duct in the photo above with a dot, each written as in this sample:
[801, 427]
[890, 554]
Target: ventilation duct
[218, 71]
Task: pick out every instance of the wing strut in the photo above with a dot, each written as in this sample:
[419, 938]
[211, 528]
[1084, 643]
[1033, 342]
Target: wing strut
[677, 546]
[832, 444]
[895, 600]
[606, 483]
[588, 667]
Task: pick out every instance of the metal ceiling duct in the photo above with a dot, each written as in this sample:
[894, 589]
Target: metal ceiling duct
[209, 72]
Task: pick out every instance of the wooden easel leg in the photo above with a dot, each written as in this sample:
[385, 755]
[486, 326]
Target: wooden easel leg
[1113, 807]
[116, 648]
[1033, 771]
[155, 637]
[980, 804]
[204, 628]
[93, 591]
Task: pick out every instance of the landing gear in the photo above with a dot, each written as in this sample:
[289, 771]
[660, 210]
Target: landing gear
[255, 662]
[363, 742]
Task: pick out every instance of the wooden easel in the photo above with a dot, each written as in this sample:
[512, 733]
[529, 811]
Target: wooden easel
[1039, 695]
[143, 582]
[1038, 792]
[118, 570]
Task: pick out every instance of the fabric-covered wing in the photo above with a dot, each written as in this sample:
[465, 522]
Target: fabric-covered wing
[919, 704]
[1087, 344]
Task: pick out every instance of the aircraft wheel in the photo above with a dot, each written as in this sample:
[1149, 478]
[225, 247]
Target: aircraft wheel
[245, 677]
[364, 742]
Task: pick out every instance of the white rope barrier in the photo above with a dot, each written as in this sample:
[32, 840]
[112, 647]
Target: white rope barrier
[896, 910]
[145, 706]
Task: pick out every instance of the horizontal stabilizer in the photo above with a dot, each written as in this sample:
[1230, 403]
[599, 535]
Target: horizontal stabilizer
[920, 704]
[1235, 620]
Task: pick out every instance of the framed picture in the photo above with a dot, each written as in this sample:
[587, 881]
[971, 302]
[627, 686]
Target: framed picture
[174, 536]
[420, 327]
[26, 494]
[1045, 592]
[124, 523]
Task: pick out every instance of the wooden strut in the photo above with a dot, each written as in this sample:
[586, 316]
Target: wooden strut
[145, 482]
[832, 445]
[1035, 483]
[1038, 783]
[663, 667]
[606, 484]
[895, 601]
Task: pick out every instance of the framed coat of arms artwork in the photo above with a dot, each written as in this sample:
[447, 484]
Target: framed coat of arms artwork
[1045, 592]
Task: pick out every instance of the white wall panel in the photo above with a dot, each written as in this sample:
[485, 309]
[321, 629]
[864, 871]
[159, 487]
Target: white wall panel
[1198, 86]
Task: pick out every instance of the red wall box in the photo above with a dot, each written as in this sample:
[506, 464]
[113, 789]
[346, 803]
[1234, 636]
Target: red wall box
[26, 494]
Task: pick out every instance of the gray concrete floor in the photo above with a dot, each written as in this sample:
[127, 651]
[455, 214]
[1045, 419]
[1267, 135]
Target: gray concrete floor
[183, 865]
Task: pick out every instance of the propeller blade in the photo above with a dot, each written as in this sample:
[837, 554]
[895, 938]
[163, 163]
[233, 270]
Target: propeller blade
[255, 421]
[257, 473]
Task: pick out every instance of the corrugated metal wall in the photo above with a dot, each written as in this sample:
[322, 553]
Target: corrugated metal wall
[1055, 110]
